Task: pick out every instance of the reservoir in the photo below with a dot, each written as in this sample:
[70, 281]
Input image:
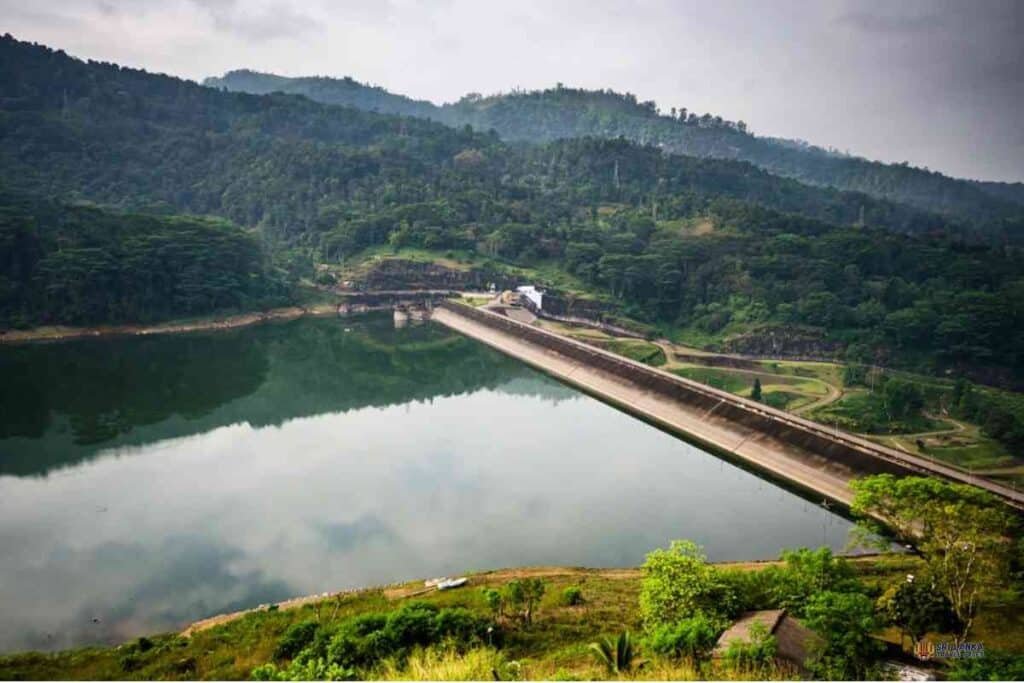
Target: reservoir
[148, 482]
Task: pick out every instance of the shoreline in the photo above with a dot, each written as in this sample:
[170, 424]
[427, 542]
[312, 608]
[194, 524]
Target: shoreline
[59, 333]
[407, 589]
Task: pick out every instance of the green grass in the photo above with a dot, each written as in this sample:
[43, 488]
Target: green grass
[830, 373]
[787, 393]
[733, 382]
[863, 411]
[634, 349]
[973, 452]
[784, 400]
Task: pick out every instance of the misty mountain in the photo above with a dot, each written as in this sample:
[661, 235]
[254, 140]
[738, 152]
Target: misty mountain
[295, 167]
[546, 115]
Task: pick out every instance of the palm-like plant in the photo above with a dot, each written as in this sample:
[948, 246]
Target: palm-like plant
[617, 655]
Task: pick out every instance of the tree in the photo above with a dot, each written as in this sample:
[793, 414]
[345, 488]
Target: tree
[678, 582]
[845, 622]
[617, 655]
[962, 532]
[807, 572]
[755, 393]
[901, 399]
[524, 595]
[917, 607]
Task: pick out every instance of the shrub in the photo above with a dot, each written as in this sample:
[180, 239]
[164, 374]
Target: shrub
[363, 641]
[678, 582]
[994, 666]
[757, 652]
[845, 622]
[618, 656]
[448, 664]
[694, 637]
[314, 669]
[572, 596]
[808, 572]
[295, 639]
[461, 625]
[413, 624]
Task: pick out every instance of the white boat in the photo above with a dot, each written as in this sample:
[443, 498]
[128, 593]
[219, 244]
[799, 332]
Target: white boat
[452, 583]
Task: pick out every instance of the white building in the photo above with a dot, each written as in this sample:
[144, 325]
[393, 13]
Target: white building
[532, 293]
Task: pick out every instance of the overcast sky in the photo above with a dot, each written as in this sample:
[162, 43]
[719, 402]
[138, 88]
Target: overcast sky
[938, 84]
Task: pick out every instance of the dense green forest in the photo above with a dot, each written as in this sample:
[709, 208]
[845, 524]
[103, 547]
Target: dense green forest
[82, 264]
[674, 240]
[987, 209]
[295, 167]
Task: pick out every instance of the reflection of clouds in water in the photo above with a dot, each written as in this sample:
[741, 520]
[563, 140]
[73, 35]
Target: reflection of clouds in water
[242, 515]
[343, 538]
[116, 591]
[538, 386]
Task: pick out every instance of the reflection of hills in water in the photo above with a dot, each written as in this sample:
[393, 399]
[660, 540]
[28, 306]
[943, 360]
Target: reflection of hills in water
[64, 403]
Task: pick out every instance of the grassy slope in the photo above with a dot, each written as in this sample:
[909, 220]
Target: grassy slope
[556, 646]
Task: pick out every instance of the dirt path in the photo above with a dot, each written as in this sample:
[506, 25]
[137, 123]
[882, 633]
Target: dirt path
[834, 394]
[957, 428]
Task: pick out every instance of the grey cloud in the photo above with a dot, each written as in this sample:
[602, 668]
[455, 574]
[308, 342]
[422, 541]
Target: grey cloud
[871, 22]
[935, 82]
[277, 21]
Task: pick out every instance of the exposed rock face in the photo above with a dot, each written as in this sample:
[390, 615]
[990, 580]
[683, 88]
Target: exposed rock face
[562, 305]
[784, 342]
[388, 274]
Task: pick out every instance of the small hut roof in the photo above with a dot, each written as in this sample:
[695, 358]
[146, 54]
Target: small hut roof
[739, 632]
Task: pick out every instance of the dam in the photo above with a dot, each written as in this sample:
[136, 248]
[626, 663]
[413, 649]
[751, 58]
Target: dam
[805, 454]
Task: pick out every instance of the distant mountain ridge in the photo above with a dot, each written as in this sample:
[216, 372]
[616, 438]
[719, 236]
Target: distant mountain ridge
[546, 115]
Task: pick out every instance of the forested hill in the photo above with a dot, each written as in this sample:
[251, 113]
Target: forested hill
[672, 240]
[541, 116]
[341, 91]
[83, 265]
[297, 168]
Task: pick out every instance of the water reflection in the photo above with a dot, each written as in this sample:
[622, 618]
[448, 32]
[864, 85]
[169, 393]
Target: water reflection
[62, 403]
[429, 455]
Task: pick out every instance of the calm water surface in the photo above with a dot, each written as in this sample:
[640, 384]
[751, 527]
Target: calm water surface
[145, 483]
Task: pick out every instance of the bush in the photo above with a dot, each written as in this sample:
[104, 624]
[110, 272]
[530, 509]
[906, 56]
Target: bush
[694, 637]
[808, 572]
[845, 622]
[363, 641]
[295, 639]
[572, 596]
[994, 666]
[413, 624]
[678, 582]
[461, 625]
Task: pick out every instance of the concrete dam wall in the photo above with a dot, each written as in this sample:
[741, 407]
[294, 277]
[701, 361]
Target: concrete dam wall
[750, 430]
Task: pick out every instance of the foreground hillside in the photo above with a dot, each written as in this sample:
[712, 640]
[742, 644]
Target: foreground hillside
[479, 632]
[996, 210]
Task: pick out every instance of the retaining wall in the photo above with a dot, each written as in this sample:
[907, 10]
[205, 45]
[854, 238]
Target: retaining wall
[855, 453]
